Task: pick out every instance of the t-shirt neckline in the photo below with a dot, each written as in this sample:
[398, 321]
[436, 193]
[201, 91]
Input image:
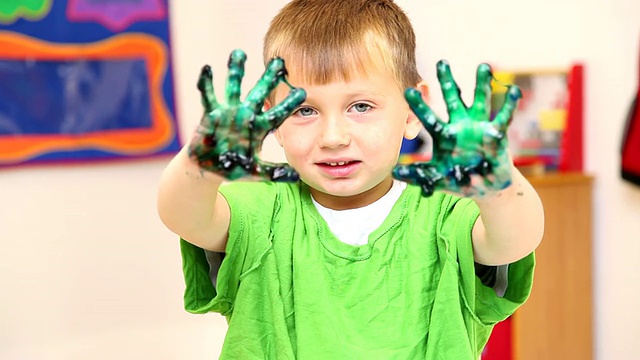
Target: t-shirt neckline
[347, 251]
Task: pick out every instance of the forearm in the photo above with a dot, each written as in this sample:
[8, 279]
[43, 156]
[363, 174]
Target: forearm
[511, 223]
[187, 197]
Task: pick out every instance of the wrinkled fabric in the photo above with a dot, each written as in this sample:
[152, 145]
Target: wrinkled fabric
[291, 290]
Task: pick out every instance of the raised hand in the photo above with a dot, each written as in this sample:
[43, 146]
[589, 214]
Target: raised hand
[470, 156]
[230, 135]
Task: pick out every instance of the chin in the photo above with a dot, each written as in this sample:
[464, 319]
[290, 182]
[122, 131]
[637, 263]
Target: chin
[338, 192]
[345, 189]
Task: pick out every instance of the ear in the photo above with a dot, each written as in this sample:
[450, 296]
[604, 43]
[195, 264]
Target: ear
[413, 126]
[266, 106]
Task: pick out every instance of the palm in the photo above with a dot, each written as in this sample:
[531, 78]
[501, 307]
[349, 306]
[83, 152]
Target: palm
[230, 135]
[470, 155]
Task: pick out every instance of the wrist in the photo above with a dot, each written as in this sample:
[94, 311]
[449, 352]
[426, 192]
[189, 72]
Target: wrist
[513, 188]
[193, 170]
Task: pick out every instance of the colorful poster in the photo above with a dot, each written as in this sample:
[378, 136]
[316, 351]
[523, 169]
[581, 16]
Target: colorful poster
[536, 130]
[85, 80]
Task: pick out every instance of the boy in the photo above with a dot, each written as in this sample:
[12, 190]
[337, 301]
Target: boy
[347, 263]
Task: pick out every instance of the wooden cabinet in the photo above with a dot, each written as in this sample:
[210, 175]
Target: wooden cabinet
[556, 321]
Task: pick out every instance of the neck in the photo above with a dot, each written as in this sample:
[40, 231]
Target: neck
[363, 199]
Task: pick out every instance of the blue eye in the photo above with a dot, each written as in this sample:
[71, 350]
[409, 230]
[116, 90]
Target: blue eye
[361, 107]
[305, 111]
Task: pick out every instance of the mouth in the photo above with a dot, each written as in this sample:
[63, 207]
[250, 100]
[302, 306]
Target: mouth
[339, 169]
[339, 163]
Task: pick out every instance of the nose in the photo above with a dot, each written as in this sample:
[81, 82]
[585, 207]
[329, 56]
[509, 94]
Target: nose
[335, 132]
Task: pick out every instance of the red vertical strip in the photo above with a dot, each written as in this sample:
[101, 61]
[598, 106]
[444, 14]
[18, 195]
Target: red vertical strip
[500, 346]
[630, 159]
[571, 150]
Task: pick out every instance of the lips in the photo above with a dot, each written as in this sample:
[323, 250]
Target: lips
[339, 168]
[339, 163]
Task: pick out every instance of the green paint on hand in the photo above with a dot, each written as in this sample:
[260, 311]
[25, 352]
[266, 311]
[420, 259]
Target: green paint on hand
[470, 155]
[231, 133]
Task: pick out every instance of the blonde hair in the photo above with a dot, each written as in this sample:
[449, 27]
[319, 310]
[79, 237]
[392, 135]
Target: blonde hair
[329, 40]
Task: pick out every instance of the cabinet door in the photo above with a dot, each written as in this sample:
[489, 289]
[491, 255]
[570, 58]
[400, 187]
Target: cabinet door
[556, 321]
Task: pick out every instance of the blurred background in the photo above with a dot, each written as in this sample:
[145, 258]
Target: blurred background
[87, 270]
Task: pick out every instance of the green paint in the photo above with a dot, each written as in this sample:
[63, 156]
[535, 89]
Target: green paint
[12, 10]
[230, 135]
[470, 151]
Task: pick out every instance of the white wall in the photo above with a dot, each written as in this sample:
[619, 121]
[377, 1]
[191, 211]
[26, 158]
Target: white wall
[87, 271]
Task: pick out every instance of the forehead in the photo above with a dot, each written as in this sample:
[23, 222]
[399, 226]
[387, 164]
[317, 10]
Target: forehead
[348, 72]
[368, 81]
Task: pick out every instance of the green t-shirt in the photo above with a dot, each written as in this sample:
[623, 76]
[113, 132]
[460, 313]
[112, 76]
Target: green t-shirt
[291, 290]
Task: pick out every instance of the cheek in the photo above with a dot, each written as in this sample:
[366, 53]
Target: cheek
[385, 145]
[295, 142]
[389, 134]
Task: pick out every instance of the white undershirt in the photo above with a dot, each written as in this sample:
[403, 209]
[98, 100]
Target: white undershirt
[353, 226]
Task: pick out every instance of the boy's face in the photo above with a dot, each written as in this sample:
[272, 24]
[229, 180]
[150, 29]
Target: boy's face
[345, 139]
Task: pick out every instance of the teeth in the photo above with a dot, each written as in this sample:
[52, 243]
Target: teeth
[340, 163]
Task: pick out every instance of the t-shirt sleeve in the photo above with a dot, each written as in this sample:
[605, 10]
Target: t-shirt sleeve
[212, 279]
[488, 304]
[494, 306]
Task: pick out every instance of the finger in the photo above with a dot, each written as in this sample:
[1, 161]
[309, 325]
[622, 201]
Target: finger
[275, 172]
[451, 92]
[422, 174]
[417, 173]
[501, 121]
[275, 116]
[481, 107]
[424, 113]
[205, 85]
[234, 78]
[272, 75]
[405, 173]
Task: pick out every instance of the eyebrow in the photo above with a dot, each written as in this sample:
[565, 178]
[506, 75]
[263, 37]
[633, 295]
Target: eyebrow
[359, 92]
[351, 95]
